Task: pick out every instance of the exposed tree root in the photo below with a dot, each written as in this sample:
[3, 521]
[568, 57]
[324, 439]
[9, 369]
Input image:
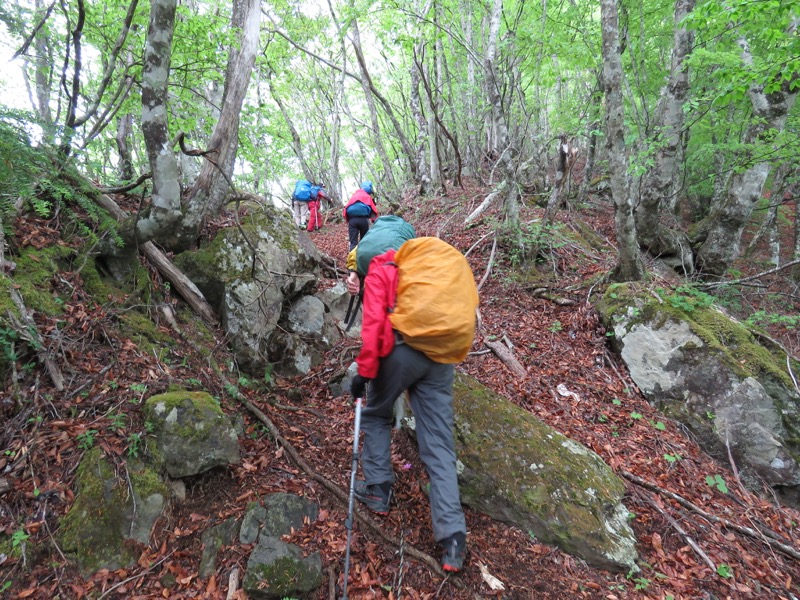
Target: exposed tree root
[375, 527]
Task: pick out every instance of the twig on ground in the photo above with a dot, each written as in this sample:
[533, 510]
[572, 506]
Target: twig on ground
[764, 535]
[134, 577]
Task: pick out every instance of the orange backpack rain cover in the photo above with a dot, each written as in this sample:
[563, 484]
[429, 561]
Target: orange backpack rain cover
[436, 299]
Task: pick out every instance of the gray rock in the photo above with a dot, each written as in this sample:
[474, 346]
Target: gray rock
[285, 512]
[253, 518]
[708, 371]
[278, 570]
[192, 433]
[213, 539]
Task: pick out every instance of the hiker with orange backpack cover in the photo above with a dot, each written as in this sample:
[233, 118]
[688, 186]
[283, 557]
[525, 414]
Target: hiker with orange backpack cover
[390, 366]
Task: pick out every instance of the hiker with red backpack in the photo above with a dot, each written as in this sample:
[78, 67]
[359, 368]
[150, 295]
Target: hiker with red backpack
[316, 197]
[418, 321]
[359, 211]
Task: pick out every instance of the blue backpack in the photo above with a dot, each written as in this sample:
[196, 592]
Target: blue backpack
[315, 191]
[358, 209]
[302, 191]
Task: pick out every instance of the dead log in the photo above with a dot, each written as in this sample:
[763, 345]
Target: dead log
[184, 286]
[26, 328]
[508, 359]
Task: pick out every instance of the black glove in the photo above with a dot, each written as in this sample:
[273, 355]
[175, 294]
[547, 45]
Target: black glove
[358, 386]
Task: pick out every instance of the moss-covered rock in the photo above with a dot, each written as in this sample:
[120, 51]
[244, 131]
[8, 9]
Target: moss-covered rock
[104, 521]
[192, 432]
[521, 471]
[250, 281]
[710, 372]
[278, 570]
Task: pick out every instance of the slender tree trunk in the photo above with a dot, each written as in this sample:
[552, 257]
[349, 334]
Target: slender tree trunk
[165, 210]
[388, 174]
[207, 196]
[423, 173]
[507, 154]
[124, 130]
[473, 152]
[629, 266]
[727, 221]
[297, 145]
[658, 191]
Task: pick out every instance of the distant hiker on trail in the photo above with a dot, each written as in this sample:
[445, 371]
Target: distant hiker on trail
[300, 198]
[411, 342]
[359, 211]
[314, 216]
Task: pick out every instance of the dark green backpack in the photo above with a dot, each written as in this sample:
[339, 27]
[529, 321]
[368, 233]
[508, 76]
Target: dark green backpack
[388, 232]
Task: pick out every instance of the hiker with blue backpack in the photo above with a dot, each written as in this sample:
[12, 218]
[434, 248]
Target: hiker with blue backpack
[419, 304]
[359, 211]
[300, 199]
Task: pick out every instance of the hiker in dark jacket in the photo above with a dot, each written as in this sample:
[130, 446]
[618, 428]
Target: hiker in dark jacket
[359, 212]
[391, 367]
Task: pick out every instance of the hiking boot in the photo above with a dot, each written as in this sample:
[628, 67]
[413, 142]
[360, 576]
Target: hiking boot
[455, 551]
[375, 497]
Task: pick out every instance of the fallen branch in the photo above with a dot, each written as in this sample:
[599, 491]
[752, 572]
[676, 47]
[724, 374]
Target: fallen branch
[505, 355]
[184, 286]
[767, 536]
[486, 203]
[716, 284]
[26, 328]
[559, 300]
[488, 265]
[689, 540]
[233, 584]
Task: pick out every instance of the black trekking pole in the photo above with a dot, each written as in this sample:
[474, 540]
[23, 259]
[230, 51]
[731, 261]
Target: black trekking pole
[349, 521]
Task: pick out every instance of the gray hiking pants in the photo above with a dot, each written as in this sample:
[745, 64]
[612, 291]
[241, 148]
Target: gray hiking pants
[430, 387]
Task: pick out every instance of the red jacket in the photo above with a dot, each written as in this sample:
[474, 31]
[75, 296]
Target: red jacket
[361, 196]
[380, 293]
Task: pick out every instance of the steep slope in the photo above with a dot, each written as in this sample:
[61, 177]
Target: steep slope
[571, 381]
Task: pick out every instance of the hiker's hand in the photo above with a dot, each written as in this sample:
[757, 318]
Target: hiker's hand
[358, 386]
[353, 283]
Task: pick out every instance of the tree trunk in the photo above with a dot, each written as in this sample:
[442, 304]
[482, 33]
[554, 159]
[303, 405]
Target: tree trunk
[207, 196]
[727, 221]
[658, 191]
[629, 267]
[423, 173]
[124, 127]
[388, 174]
[297, 145]
[507, 154]
[473, 139]
[165, 210]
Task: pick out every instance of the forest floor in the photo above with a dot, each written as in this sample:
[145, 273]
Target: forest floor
[688, 550]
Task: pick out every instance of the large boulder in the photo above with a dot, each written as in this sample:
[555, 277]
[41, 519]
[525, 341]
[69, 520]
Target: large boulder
[248, 274]
[708, 371]
[519, 470]
[192, 433]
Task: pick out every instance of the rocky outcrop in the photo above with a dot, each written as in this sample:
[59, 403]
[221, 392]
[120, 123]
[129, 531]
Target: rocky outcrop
[519, 470]
[261, 279]
[709, 372]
